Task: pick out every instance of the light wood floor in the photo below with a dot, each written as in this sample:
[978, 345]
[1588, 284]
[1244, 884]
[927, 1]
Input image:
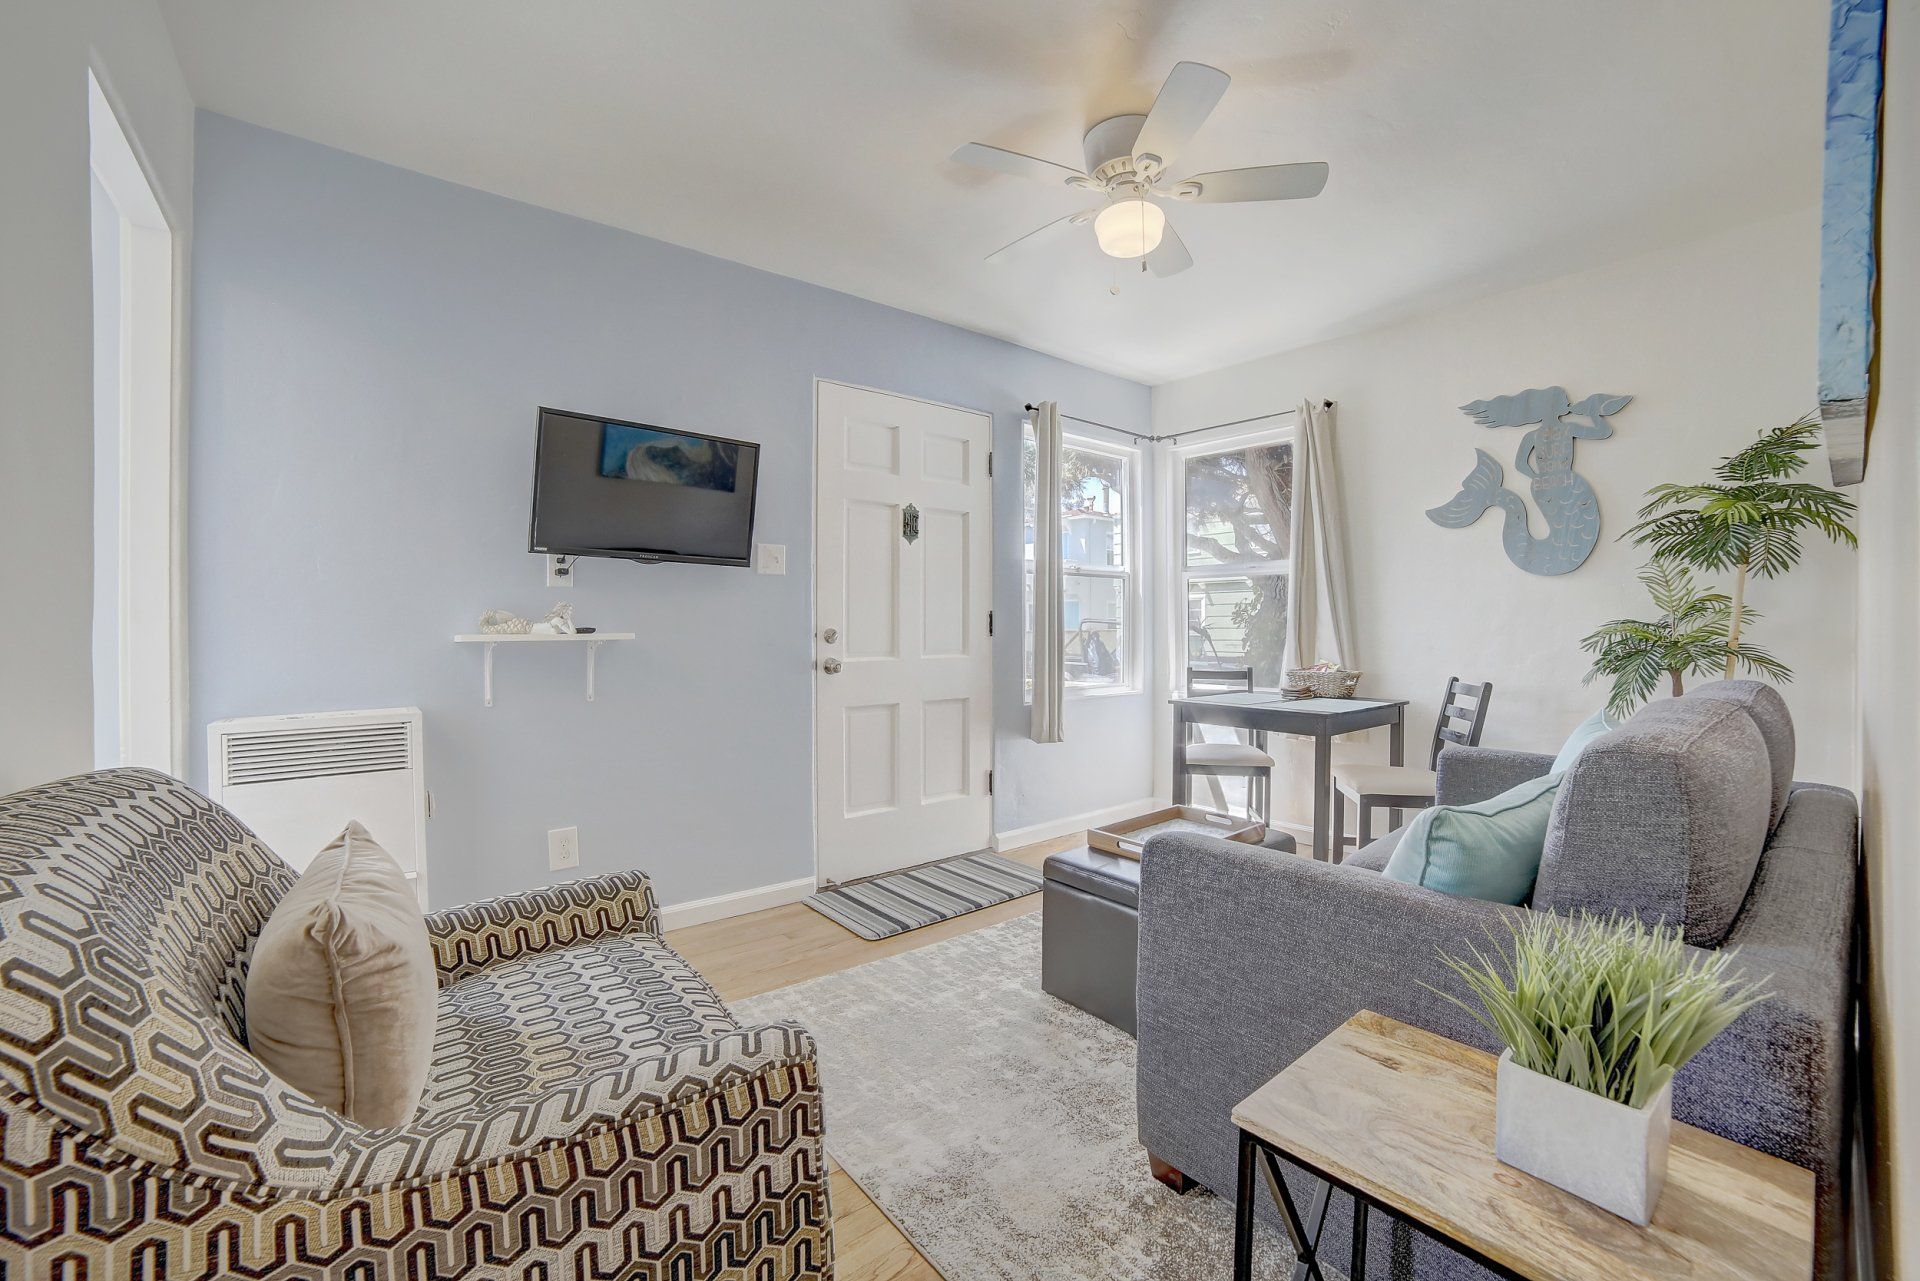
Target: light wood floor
[744, 956]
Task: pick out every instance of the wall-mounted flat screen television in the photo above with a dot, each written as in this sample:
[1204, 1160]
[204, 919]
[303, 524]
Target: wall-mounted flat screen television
[605, 487]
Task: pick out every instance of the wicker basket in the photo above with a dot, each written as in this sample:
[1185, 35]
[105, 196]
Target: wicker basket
[1339, 683]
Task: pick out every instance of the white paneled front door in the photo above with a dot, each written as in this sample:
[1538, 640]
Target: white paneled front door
[903, 674]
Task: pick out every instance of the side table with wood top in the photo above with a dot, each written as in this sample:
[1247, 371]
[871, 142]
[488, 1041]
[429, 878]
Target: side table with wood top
[1402, 1120]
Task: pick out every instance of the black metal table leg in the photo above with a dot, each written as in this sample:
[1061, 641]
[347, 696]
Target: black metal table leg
[1303, 1246]
[1397, 751]
[1303, 1235]
[1243, 1213]
[1182, 781]
[1319, 1216]
[1322, 791]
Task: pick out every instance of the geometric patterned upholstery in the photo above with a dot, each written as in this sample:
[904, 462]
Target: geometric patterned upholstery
[526, 1026]
[593, 1110]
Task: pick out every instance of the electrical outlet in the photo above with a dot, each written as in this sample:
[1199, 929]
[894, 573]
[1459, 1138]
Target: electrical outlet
[561, 569]
[563, 848]
[772, 558]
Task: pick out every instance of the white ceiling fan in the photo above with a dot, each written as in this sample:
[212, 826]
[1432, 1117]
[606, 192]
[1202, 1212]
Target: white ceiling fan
[1129, 159]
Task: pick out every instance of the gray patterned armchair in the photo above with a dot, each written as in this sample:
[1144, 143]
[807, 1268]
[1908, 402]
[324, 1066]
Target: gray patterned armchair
[593, 1110]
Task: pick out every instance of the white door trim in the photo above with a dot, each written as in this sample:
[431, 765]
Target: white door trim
[818, 382]
[151, 555]
[813, 621]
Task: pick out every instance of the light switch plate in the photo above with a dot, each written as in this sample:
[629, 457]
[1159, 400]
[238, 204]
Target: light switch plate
[561, 569]
[771, 558]
[563, 848]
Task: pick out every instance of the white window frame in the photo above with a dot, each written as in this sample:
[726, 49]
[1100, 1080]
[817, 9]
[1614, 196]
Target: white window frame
[1134, 627]
[1180, 574]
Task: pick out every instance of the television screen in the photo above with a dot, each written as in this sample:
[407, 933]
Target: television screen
[604, 487]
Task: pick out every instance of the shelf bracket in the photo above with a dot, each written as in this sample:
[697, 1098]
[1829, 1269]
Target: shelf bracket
[489, 641]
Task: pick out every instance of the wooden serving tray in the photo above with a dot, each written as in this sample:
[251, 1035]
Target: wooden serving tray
[1128, 836]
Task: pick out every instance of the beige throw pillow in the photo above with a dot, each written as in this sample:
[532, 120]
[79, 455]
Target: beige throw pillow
[342, 993]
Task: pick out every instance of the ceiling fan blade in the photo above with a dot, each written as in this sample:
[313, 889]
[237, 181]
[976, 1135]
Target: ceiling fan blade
[1004, 251]
[1000, 160]
[1170, 257]
[1188, 97]
[1262, 182]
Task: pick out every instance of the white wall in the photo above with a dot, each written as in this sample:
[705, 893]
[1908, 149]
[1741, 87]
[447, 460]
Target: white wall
[46, 342]
[1714, 340]
[1889, 687]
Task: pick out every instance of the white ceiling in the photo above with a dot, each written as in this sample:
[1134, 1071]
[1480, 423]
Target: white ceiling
[1475, 144]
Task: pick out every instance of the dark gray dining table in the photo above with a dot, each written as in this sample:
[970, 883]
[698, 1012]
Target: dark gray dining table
[1321, 719]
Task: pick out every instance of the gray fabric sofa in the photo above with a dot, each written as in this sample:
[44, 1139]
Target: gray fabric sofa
[1687, 814]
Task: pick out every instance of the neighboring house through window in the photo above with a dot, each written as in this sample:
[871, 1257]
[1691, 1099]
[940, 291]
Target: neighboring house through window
[1235, 555]
[1098, 541]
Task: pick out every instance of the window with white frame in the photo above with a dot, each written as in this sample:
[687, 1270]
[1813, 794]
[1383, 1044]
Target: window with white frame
[1097, 541]
[1235, 556]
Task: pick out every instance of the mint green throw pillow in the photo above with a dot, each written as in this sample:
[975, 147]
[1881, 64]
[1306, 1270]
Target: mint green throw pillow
[1585, 732]
[1489, 851]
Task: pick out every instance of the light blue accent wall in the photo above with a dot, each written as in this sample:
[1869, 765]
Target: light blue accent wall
[369, 348]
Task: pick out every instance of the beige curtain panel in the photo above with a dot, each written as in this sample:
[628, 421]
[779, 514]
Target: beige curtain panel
[1049, 641]
[1318, 618]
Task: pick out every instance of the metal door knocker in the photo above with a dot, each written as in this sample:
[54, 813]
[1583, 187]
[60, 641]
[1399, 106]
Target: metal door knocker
[910, 522]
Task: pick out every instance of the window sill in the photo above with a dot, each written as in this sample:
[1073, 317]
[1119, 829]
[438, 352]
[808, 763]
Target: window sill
[1075, 693]
[1102, 691]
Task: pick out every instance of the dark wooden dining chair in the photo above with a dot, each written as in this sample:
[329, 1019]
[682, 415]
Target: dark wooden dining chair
[1248, 760]
[1463, 715]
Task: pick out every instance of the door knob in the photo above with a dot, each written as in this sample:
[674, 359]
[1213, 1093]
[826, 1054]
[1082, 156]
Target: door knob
[831, 666]
[831, 635]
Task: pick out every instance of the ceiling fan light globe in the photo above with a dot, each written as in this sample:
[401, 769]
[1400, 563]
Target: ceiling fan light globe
[1130, 228]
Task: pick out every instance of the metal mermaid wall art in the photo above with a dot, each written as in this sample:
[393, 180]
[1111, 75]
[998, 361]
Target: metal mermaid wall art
[1545, 458]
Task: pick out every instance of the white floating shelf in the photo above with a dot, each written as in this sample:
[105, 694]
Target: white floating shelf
[592, 640]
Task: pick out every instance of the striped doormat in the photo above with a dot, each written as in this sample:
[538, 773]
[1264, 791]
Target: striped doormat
[883, 906]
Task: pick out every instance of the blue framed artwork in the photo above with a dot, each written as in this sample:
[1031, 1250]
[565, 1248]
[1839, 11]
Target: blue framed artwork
[1855, 70]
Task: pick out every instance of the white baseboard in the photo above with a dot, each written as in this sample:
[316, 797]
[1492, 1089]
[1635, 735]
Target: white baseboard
[739, 903]
[1074, 823]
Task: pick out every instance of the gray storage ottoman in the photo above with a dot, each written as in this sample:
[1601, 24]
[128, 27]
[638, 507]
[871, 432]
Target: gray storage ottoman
[1090, 930]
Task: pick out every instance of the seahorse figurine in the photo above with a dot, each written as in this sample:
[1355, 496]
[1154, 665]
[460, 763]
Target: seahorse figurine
[1569, 504]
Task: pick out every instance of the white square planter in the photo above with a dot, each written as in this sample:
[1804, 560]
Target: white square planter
[1601, 1151]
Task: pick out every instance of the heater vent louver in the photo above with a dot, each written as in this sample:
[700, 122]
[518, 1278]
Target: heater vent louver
[274, 756]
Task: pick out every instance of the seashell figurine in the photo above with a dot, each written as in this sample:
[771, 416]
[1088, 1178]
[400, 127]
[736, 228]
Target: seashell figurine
[558, 622]
[501, 623]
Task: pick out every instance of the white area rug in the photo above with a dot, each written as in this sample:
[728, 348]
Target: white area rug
[995, 1125]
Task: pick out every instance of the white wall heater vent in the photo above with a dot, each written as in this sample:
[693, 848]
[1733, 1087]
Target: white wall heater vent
[297, 780]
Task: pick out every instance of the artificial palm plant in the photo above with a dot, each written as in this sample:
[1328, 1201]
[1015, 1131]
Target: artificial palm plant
[1689, 638]
[1749, 519]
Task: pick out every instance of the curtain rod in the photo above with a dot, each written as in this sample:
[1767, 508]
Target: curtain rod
[1191, 431]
